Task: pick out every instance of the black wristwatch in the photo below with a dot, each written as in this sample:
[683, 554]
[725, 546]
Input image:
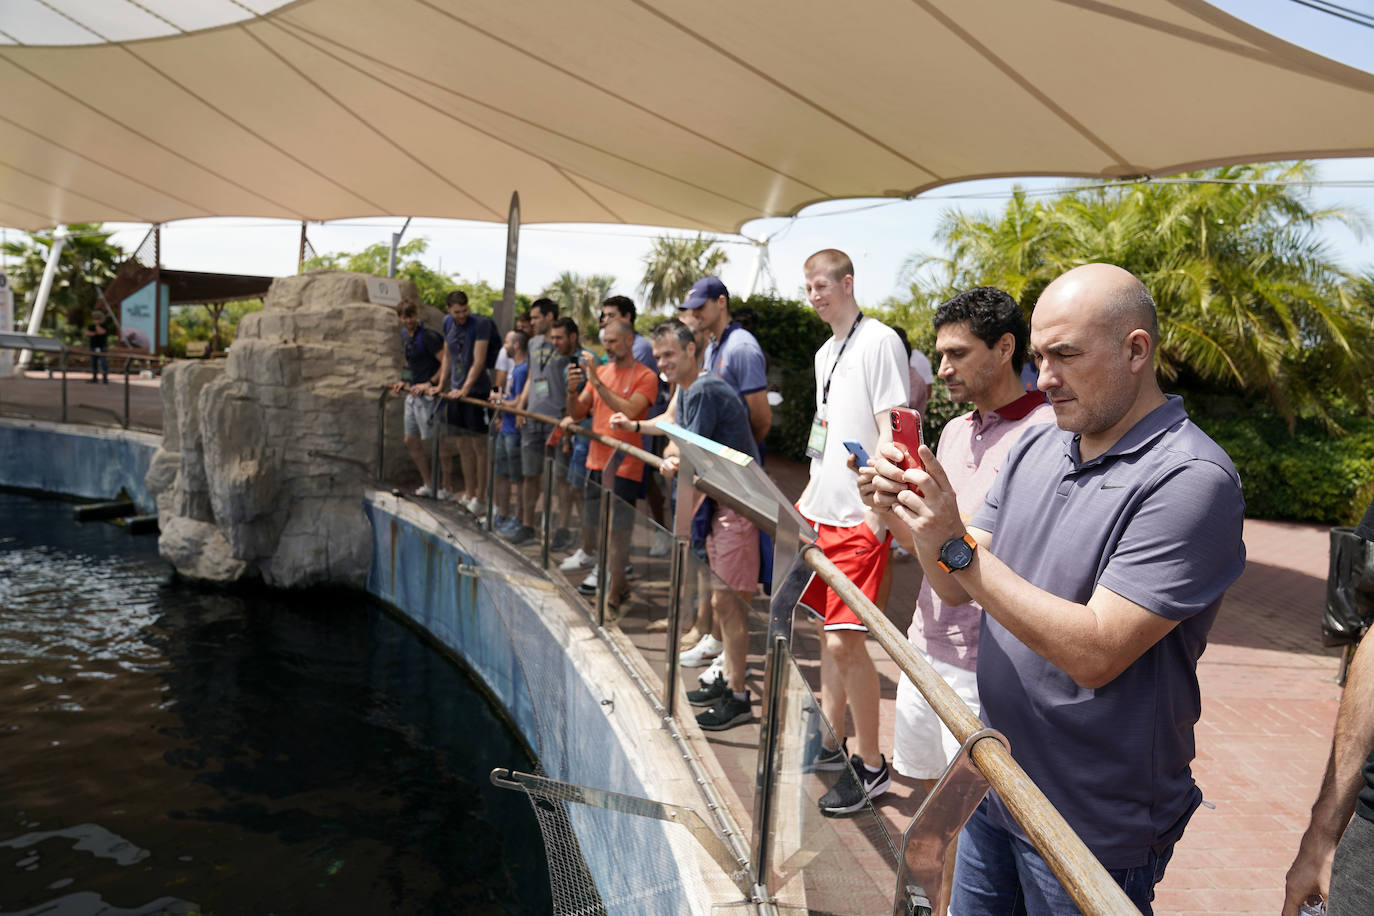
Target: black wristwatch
[957, 553]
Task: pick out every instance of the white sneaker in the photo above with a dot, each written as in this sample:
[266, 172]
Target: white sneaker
[444, 495]
[701, 653]
[717, 670]
[424, 491]
[579, 560]
[475, 506]
[660, 548]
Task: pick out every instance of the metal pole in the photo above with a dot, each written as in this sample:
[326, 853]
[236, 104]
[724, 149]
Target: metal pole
[603, 549]
[40, 301]
[676, 575]
[128, 360]
[760, 258]
[550, 457]
[491, 473]
[381, 432]
[434, 477]
[64, 383]
[300, 258]
[768, 749]
[504, 314]
[395, 243]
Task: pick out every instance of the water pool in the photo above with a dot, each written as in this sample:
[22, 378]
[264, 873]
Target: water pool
[165, 748]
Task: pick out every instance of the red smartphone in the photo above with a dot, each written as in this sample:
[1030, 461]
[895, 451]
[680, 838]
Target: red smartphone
[906, 435]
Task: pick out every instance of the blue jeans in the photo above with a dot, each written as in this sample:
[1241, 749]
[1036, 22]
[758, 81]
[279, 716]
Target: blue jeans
[998, 874]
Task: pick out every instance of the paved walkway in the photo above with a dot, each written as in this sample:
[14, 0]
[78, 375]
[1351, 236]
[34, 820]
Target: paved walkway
[1269, 698]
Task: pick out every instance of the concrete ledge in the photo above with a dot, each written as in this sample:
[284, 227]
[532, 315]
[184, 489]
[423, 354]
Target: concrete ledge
[564, 688]
[89, 462]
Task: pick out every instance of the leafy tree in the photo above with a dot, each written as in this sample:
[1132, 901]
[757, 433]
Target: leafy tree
[87, 265]
[674, 264]
[1250, 301]
[203, 322]
[580, 298]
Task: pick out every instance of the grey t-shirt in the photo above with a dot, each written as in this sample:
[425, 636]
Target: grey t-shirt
[547, 382]
[711, 408]
[1156, 519]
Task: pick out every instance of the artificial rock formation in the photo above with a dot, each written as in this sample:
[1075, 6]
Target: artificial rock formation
[265, 455]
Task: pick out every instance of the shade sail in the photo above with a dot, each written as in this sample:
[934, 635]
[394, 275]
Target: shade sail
[699, 114]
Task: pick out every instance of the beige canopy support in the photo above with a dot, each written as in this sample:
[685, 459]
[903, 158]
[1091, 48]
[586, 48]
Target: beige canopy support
[701, 114]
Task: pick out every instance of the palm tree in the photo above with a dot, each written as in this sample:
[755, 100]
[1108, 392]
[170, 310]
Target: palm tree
[580, 298]
[674, 264]
[1249, 298]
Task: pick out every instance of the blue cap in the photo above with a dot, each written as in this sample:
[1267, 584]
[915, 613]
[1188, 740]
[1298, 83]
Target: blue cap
[703, 291]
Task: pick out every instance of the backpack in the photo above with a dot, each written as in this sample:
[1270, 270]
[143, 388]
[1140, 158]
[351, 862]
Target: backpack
[1349, 607]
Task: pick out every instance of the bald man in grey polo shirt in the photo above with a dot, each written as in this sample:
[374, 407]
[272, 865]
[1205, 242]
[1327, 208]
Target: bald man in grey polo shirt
[1100, 558]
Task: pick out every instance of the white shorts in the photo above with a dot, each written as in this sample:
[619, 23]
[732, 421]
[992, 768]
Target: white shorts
[921, 745]
[423, 413]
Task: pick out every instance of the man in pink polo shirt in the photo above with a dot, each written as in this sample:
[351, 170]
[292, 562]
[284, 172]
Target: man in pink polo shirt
[980, 336]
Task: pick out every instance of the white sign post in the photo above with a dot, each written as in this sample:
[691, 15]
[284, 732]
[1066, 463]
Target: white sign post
[6, 324]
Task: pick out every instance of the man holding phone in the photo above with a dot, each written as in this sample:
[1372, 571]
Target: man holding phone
[1099, 557]
[980, 337]
[860, 376]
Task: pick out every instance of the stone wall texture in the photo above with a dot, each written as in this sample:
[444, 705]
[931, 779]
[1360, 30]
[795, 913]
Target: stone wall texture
[265, 454]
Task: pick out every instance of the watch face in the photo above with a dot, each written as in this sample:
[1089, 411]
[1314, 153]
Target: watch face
[957, 554]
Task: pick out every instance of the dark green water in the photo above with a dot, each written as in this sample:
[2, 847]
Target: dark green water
[169, 749]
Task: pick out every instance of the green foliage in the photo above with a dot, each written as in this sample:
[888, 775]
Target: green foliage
[674, 264]
[195, 322]
[86, 267]
[580, 299]
[1308, 476]
[790, 333]
[1250, 300]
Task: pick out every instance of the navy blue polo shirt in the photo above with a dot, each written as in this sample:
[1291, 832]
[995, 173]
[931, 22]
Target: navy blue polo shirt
[1158, 520]
[460, 339]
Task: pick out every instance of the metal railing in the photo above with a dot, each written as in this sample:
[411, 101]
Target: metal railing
[65, 354]
[1092, 889]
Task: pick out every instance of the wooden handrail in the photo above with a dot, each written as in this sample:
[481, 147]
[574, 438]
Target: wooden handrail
[1082, 875]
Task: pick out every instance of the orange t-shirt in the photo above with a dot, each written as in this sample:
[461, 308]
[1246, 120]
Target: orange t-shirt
[623, 382]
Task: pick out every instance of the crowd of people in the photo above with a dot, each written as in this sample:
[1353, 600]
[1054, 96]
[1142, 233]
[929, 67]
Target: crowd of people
[1075, 530]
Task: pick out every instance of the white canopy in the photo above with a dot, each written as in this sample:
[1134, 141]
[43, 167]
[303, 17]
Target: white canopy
[693, 113]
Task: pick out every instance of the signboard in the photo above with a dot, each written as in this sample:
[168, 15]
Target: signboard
[6, 323]
[383, 291]
[138, 312]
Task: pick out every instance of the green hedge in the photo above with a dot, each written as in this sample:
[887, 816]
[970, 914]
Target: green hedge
[1309, 476]
[790, 333]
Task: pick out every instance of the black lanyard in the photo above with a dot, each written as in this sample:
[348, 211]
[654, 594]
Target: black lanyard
[825, 392]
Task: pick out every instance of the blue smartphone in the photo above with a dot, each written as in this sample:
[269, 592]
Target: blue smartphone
[857, 451]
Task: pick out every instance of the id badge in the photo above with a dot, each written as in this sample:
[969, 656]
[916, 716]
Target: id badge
[815, 442]
[541, 388]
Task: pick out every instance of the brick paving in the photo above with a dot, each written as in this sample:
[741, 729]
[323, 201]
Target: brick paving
[1269, 696]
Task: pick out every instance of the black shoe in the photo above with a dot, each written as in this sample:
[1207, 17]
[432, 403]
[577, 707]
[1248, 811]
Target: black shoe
[727, 713]
[829, 758]
[522, 535]
[846, 796]
[707, 694]
[562, 539]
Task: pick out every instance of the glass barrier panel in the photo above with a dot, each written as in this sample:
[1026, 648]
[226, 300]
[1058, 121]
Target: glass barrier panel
[839, 865]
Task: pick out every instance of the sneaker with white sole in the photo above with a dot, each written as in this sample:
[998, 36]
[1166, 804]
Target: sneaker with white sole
[709, 692]
[580, 559]
[727, 712]
[444, 495]
[423, 491]
[702, 653]
[716, 670]
[847, 796]
[588, 585]
[827, 758]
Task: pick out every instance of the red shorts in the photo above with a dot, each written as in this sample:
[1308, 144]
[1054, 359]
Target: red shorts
[861, 557]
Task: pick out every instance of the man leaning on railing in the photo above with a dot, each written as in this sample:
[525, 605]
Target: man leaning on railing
[708, 406]
[1100, 558]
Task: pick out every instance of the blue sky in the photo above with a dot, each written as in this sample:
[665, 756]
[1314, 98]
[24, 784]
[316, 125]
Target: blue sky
[880, 235]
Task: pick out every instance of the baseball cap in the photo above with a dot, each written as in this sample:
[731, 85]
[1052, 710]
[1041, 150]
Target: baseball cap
[704, 290]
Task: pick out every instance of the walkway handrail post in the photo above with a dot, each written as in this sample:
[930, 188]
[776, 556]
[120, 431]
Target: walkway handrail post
[546, 532]
[63, 362]
[128, 361]
[381, 428]
[492, 435]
